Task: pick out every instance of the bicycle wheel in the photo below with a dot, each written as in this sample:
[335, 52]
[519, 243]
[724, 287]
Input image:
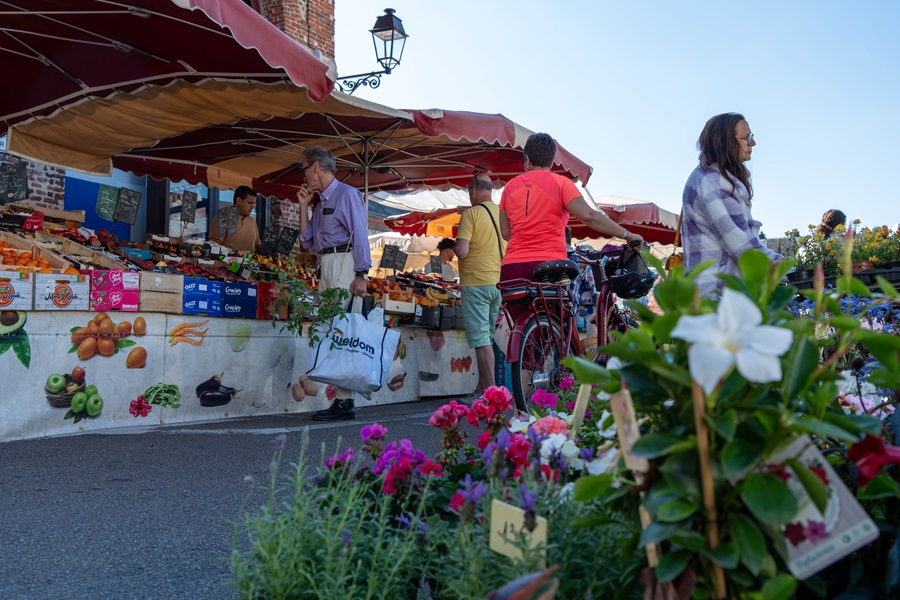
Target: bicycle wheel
[537, 364]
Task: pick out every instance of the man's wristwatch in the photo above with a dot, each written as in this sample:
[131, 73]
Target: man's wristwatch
[364, 275]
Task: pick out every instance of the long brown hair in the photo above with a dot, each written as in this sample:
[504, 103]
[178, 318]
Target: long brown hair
[830, 220]
[719, 144]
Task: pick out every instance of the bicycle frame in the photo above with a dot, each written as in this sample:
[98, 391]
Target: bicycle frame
[542, 305]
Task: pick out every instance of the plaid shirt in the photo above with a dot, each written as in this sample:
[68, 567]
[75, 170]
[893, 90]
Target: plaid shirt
[717, 225]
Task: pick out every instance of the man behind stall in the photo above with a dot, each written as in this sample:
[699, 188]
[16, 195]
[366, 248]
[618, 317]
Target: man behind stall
[336, 232]
[480, 249]
[246, 237]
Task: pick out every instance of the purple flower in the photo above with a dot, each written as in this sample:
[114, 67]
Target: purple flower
[340, 460]
[815, 531]
[543, 398]
[472, 491]
[373, 432]
[527, 498]
[404, 520]
[278, 441]
[567, 383]
[586, 454]
[394, 452]
[346, 537]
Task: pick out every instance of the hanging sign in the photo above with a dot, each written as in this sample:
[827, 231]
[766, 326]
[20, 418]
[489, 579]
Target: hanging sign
[107, 200]
[188, 206]
[127, 206]
[286, 240]
[13, 182]
[269, 239]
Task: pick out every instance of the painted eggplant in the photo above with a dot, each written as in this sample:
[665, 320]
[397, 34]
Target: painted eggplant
[215, 398]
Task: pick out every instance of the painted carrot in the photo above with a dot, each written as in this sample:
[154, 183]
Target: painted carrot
[186, 332]
[189, 340]
[182, 326]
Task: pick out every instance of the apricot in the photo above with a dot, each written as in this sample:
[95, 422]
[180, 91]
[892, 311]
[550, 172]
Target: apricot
[93, 327]
[124, 329]
[136, 358]
[140, 326]
[87, 348]
[107, 327]
[79, 335]
[106, 346]
[100, 317]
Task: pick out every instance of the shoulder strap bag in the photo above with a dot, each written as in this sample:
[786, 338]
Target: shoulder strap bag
[497, 231]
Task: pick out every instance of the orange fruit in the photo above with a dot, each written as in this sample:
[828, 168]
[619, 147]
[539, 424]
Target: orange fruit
[45, 270]
[71, 271]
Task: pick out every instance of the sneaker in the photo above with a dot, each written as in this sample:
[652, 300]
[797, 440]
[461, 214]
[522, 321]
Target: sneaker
[470, 399]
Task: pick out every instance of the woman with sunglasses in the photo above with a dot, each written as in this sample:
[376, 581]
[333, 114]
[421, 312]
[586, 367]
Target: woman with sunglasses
[717, 224]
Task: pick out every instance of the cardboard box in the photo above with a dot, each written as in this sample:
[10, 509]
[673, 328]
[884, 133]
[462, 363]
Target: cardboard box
[106, 300]
[61, 292]
[237, 291]
[428, 316]
[268, 293]
[162, 282]
[238, 309]
[114, 280]
[401, 308]
[195, 285]
[16, 291]
[162, 302]
[448, 317]
[194, 304]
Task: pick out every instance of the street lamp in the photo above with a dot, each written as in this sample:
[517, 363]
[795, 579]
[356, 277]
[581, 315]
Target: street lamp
[389, 39]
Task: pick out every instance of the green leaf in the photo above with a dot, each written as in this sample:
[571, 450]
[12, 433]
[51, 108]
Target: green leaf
[780, 587]
[655, 445]
[656, 496]
[780, 298]
[817, 491]
[676, 510]
[754, 265]
[22, 347]
[750, 541]
[72, 349]
[886, 348]
[801, 360]
[671, 564]
[769, 499]
[657, 532]
[5, 344]
[740, 455]
[589, 372]
[724, 424]
[682, 472]
[822, 428]
[854, 423]
[880, 487]
[125, 343]
[662, 326]
[843, 323]
[74, 329]
[885, 377]
[886, 287]
[591, 487]
[690, 539]
[725, 554]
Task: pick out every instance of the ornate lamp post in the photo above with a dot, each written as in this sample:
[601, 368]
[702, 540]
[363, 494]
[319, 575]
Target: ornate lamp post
[389, 39]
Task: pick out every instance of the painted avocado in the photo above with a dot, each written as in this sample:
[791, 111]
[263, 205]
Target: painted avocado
[11, 320]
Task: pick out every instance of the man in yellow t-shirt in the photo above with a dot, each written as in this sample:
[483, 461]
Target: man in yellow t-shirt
[246, 237]
[480, 249]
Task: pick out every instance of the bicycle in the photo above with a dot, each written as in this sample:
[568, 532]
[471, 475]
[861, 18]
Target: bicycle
[545, 332]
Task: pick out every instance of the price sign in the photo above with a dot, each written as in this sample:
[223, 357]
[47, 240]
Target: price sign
[393, 258]
[227, 220]
[434, 265]
[269, 239]
[13, 182]
[188, 206]
[127, 206]
[286, 240]
[107, 200]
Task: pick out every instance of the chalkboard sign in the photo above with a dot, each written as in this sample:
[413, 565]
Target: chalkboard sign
[286, 240]
[107, 200]
[393, 258]
[188, 206]
[127, 206]
[269, 239]
[434, 265]
[227, 219]
[13, 183]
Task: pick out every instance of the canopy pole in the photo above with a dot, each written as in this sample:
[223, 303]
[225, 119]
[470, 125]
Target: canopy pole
[366, 173]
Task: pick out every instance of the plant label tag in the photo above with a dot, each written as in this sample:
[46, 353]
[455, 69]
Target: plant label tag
[627, 429]
[816, 538]
[581, 402]
[508, 531]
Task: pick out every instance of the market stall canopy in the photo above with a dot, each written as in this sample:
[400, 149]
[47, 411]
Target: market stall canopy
[225, 135]
[645, 218]
[54, 53]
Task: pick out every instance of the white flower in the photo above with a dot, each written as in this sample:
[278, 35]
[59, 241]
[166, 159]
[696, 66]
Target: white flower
[733, 337]
[519, 425]
[558, 443]
[604, 463]
[609, 432]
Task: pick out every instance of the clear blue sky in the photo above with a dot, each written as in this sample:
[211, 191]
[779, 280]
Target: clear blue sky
[627, 87]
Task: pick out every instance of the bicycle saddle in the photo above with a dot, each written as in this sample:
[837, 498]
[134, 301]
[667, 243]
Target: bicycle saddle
[554, 271]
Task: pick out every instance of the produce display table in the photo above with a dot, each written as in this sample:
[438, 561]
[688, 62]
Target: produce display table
[179, 352]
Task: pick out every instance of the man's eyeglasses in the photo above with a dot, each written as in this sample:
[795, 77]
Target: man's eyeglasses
[747, 138]
[303, 169]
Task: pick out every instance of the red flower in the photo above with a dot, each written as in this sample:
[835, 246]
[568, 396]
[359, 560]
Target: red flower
[518, 449]
[820, 472]
[429, 467]
[870, 455]
[456, 501]
[779, 471]
[795, 533]
[484, 438]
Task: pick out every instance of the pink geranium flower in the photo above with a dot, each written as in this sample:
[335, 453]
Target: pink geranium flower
[543, 398]
[549, 425]
[373, 432]
[567, 383]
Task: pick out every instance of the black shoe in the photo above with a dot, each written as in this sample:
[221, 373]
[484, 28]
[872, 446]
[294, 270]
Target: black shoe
[340, 410]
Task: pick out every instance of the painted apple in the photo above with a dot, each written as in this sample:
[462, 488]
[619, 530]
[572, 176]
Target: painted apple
[71, 387]
[79, 401]
[56, 383]
[78, 375]
[94, 405]
[90, 390]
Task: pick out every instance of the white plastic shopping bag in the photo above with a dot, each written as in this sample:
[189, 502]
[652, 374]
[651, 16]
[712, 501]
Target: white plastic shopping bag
[353, 352]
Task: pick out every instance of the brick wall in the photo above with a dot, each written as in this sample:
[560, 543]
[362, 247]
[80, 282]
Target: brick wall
[46, 184]
[310, 22]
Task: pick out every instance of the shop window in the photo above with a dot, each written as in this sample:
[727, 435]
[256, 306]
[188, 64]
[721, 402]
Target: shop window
[178, 228]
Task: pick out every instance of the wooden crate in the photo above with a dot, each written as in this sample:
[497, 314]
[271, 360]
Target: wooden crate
[162, 302]
[37, 251]
[164, 283]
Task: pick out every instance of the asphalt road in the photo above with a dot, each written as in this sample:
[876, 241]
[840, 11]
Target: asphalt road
[149, 513]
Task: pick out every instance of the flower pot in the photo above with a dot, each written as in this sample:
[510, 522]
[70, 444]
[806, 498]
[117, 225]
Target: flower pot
[891, 265]
[800, 275]
[862, 265]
